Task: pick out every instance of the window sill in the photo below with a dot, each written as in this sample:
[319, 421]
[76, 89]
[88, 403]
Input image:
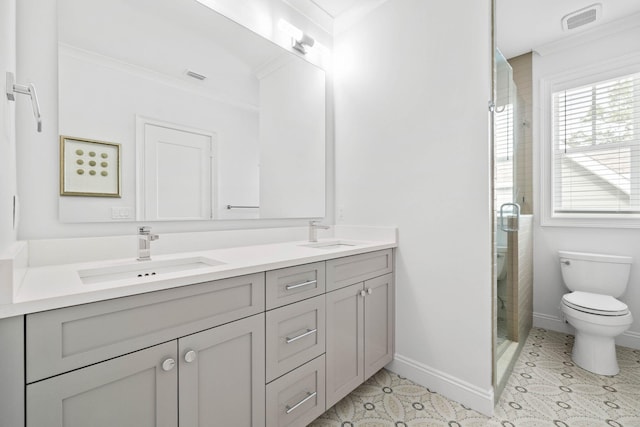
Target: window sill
[591, 221]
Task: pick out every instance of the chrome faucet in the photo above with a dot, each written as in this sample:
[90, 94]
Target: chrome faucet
[313, 230]
[144, 242]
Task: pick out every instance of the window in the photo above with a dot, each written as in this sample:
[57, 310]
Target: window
[504, 152]
[595, 154]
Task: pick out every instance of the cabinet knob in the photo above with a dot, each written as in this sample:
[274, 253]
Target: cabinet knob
[168, 364]
[363, 293]
[369, 291]
[190, 356]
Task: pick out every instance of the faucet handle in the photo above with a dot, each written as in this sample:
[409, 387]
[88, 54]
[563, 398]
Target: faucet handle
[145, 229]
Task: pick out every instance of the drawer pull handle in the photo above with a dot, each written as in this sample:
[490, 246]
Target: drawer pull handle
[296, 338]
[290, 409]
[299, 285]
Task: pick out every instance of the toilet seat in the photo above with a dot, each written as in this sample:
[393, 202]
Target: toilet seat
[601, 305]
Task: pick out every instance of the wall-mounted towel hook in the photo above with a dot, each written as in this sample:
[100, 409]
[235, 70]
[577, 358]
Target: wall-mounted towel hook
[13, 88]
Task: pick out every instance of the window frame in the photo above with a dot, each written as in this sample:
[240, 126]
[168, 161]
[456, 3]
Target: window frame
[574, 78]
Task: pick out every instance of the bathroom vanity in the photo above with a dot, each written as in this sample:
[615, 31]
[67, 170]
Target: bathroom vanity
[275, 347]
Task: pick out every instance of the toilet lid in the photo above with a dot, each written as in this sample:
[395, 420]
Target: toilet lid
[604, 305]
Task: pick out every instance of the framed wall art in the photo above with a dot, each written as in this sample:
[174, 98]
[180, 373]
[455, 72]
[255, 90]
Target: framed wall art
[89, 168]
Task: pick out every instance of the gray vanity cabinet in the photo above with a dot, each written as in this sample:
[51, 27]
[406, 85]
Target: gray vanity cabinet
[272, 349]
[191, 357]
[359, 334]
[211, 378]
[135, 390]
[221, 378]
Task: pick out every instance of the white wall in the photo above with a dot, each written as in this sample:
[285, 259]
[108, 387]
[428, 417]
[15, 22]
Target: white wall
[412, 150]
[38, 153]
[7, 127]
[617, 40]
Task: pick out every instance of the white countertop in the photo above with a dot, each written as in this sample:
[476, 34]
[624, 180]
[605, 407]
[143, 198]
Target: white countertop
[55, 286]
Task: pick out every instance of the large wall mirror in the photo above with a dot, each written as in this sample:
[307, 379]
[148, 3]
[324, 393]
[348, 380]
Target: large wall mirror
[213, 121]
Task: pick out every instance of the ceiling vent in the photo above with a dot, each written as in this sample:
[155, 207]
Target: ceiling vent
[582, 17]
[195, 75]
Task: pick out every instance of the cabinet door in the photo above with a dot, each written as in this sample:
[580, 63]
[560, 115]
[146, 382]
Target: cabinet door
[128, 391]
[378, 324]
[345, 342]
[222, 375]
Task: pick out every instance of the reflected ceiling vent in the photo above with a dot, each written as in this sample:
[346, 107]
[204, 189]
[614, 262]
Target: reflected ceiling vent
[195, 75]
[582, 17]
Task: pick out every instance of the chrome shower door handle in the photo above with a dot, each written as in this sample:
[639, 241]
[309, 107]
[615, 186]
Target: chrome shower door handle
[516, 208]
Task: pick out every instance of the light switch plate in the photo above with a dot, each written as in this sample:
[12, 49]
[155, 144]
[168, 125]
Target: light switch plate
[121, 213]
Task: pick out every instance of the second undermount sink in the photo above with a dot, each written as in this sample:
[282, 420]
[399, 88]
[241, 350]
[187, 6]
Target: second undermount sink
[333, 244]
[139, 269]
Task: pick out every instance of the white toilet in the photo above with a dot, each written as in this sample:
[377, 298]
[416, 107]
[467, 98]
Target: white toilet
[592, 308]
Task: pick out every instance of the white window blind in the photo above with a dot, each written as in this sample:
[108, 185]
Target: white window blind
[504, 151]
[596, 148]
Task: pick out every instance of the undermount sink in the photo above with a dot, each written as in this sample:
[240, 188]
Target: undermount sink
[139, 269]
[334, 244]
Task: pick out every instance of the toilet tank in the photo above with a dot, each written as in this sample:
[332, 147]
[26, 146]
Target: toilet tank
[595, 273]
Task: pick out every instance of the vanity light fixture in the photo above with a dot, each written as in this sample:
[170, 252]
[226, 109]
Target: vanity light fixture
[299, 40]
[301, 44]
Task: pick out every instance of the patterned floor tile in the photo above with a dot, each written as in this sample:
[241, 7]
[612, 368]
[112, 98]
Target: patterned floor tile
[544, 389]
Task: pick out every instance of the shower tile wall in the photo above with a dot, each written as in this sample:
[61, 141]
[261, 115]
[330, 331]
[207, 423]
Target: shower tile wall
[522, 76]
[520, 269]
[519, 283]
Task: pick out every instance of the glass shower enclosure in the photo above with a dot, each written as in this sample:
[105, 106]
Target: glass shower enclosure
[512, 238]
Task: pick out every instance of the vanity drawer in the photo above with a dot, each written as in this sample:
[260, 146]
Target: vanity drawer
[291, 284]
[346, 271]
[297, 398]
[295, 334]
[61, 340]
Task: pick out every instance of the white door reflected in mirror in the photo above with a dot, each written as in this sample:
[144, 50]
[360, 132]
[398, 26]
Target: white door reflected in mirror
[175, 172]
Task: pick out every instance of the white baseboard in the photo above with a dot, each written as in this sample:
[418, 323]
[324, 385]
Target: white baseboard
[451, 387]
[629, 339]
[553, 323]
